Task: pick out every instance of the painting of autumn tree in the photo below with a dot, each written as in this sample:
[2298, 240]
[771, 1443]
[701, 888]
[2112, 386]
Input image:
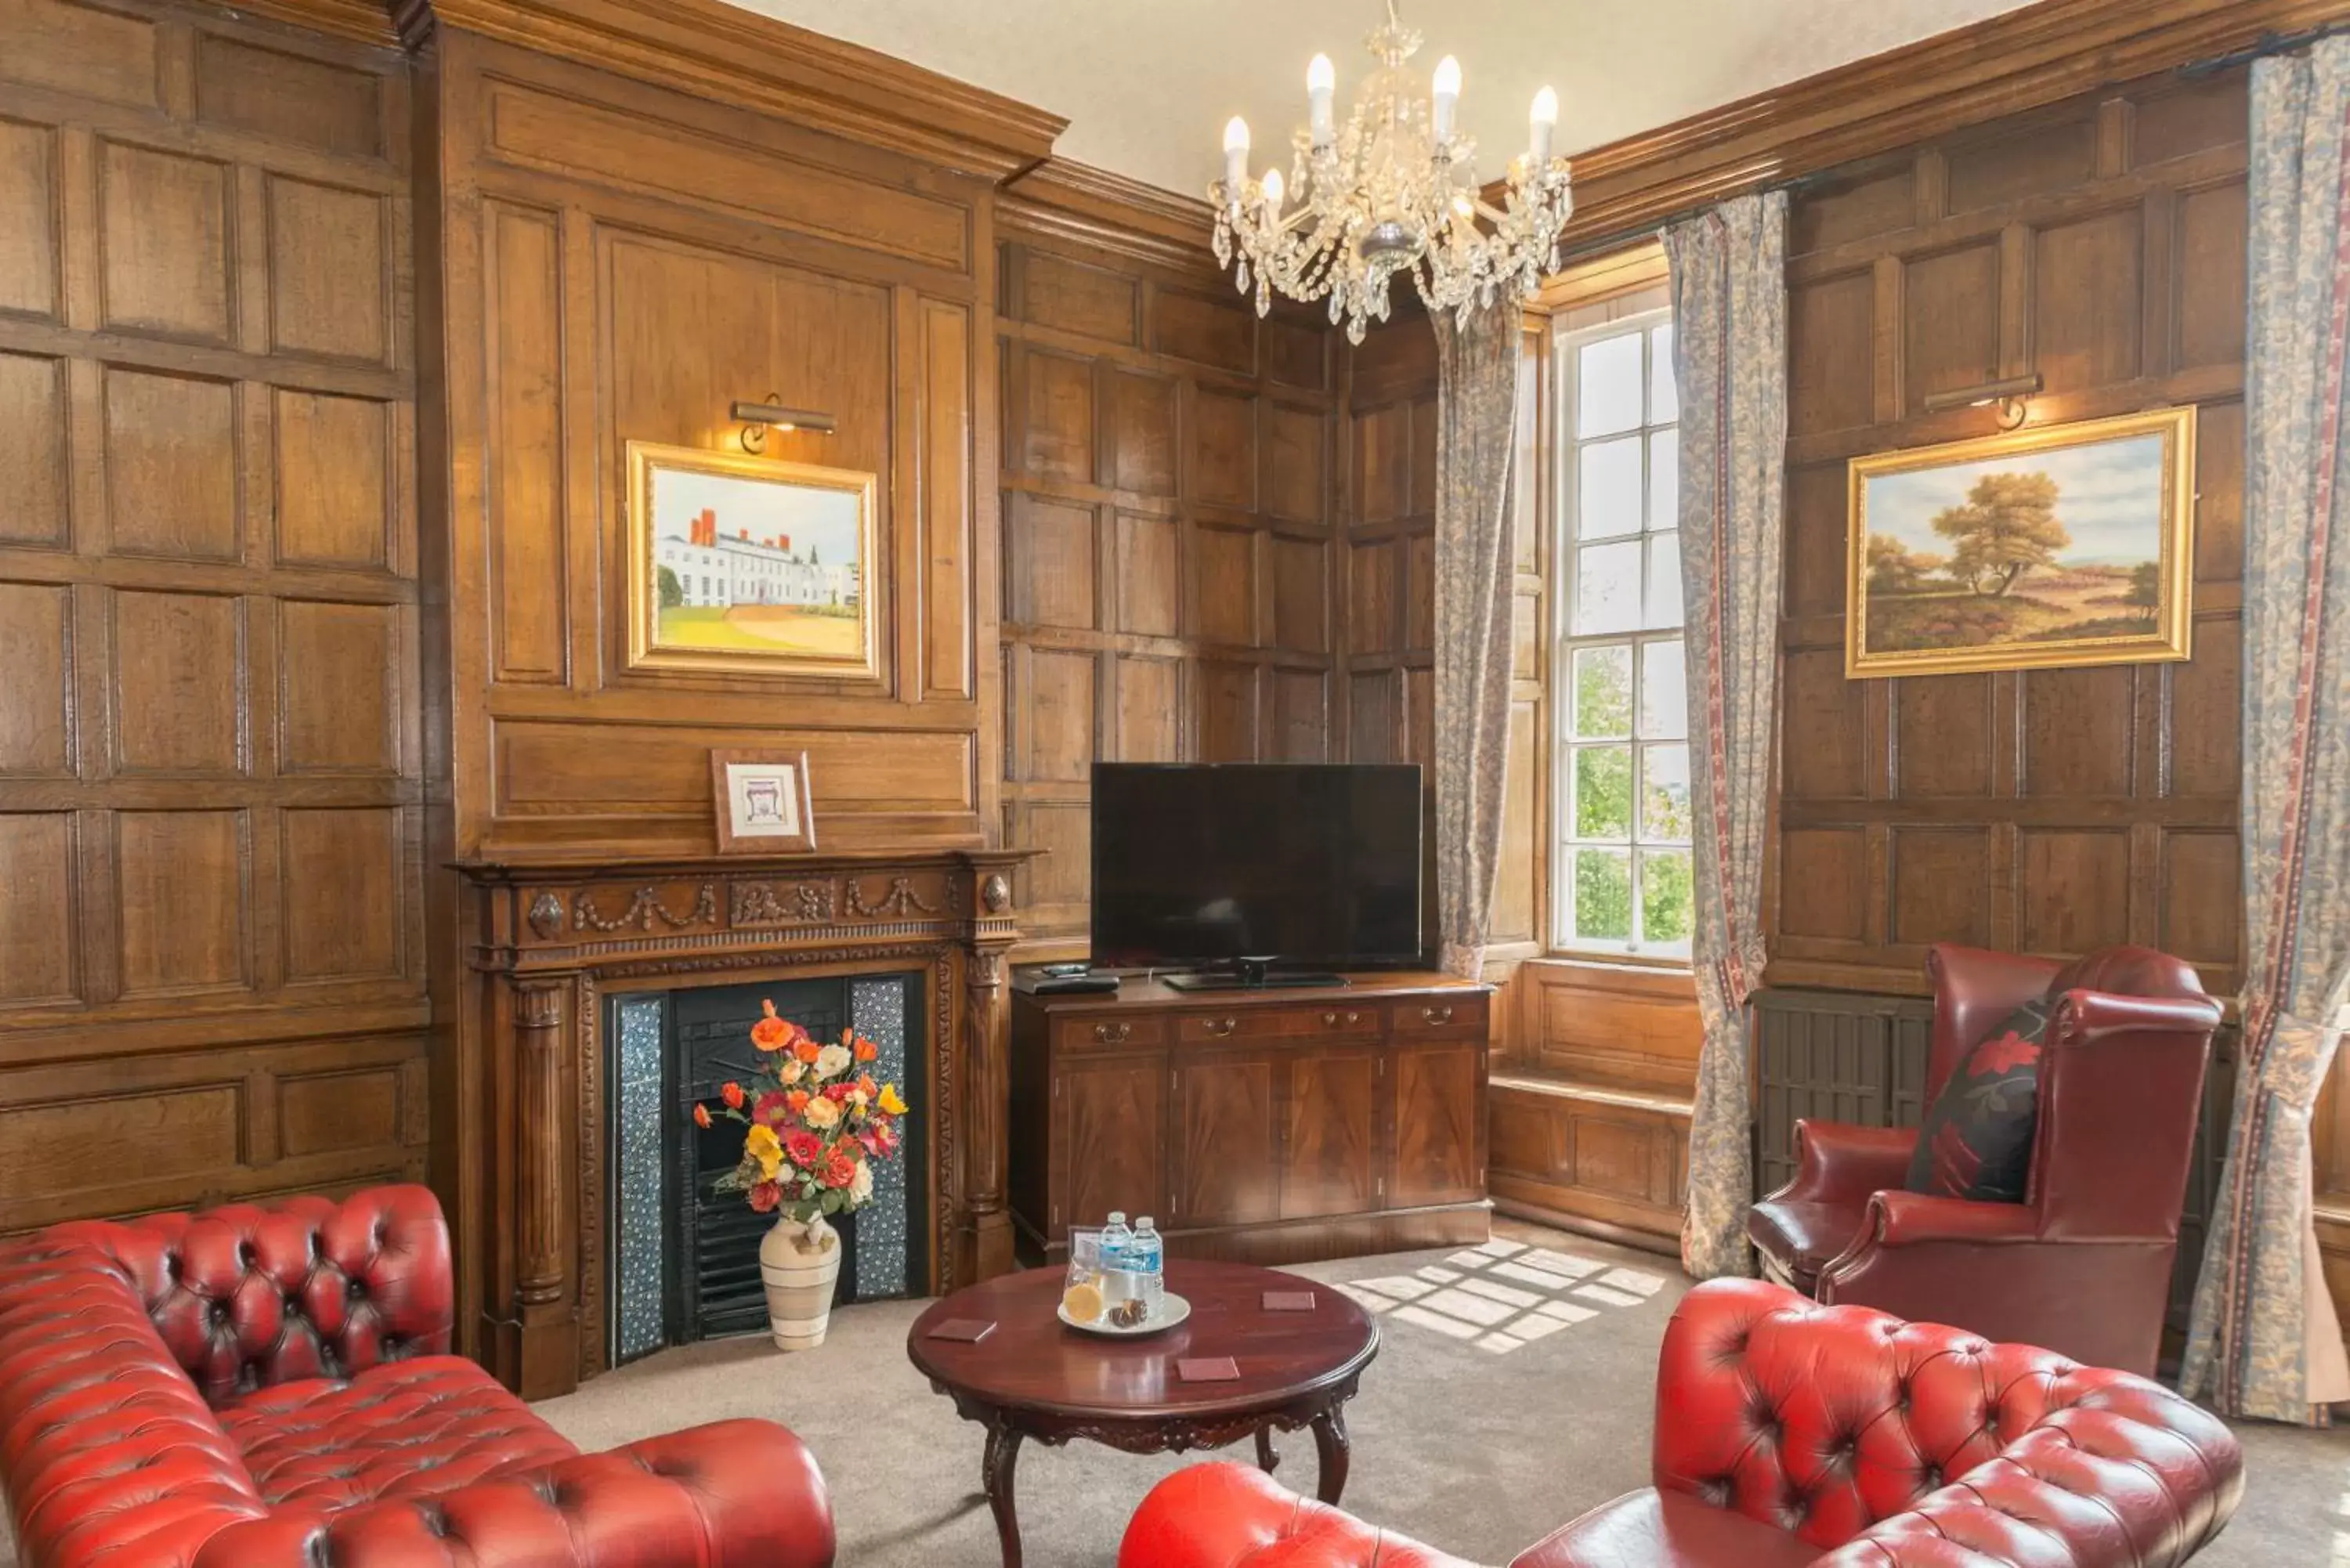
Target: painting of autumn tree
[2030, 543]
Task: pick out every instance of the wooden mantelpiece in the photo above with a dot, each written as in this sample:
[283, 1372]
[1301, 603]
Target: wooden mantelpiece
[548, 939]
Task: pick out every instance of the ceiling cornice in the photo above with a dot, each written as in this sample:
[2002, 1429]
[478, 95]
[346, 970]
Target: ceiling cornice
[1092, 207]
[729, 55]
[2019, 60]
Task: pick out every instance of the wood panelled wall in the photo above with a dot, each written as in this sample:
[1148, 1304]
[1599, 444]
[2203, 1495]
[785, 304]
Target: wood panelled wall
[2099, 243]
[1172, 497]
[211, 940]
[620, 263]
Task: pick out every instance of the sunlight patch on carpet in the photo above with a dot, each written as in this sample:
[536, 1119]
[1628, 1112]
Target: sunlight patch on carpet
[1504, 1295]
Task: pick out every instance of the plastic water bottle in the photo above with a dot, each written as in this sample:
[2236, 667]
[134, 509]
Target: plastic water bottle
[1147, 1256]
[1119, 1283]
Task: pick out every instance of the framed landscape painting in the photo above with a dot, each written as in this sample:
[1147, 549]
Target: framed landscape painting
[2068, 545]
[748, 565]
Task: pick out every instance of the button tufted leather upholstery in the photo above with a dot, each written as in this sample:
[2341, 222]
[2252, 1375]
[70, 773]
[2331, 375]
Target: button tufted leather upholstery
[1791, 1433]
[269, 1387]
[2083, 1265]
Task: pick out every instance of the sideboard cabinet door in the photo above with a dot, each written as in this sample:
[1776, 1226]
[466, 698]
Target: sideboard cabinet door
[1226, 1139]
[1439, 1109]
[1109, 1131]
[1333, 1144]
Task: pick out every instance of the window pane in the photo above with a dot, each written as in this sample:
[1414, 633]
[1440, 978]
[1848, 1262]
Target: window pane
[1607, 489]
[1603, 894]
[1663, 607]
[1608, 589]
[1664, 793]
[1667, 897]
[1665, 479]
[1602, 792]
[1608, 396]
[1603, 692]
[1664, 396]
[1664, 691]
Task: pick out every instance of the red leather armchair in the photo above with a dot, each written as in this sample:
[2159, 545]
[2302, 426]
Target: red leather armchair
[1789, 1433]
[2083, 1265]
[271, 1387]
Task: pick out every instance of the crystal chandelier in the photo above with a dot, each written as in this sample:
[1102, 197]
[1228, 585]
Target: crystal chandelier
[1392, 191]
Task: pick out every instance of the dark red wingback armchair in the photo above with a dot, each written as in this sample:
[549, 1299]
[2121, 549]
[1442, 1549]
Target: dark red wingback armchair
[2083, 1265]
[1790, 1434]
[271, 1387]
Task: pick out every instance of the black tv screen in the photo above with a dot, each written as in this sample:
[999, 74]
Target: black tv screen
[1306, 863]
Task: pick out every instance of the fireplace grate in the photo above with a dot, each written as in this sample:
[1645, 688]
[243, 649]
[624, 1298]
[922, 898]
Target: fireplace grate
[686, 1259]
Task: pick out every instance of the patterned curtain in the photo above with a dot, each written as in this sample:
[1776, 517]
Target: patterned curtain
[2263, 1340]
[1730, 355]
[1476, 432]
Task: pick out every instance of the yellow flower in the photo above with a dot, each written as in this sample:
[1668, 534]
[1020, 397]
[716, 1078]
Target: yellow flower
[822, 1112]
[891, 1102]
[761, 1145]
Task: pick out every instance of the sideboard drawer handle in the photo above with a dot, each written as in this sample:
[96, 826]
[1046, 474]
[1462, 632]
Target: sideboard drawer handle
[1112, 1033]
[1220, 1027]
[1436, 1014]
[1330, 1019]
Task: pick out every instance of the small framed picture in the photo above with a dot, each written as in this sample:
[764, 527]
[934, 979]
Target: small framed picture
[763, 807]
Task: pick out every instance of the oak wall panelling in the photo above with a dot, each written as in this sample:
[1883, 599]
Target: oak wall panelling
[1171, 502]
[211, 765]
[2098, 244]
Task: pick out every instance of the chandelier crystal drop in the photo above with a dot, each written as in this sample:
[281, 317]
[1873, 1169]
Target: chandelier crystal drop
[1393, 190]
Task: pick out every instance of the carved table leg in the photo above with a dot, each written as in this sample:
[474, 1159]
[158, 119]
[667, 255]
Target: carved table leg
[1267, 1460]
[1330, 1443]
[996, 1472]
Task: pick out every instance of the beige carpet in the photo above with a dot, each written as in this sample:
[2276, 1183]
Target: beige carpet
[1476, 1435]
[1472, 1447]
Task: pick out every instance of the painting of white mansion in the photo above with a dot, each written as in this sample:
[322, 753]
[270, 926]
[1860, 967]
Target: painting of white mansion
[752, 563]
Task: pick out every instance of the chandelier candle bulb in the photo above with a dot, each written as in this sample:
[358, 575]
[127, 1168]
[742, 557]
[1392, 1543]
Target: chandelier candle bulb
[1541, 122]
[1236, 152]
[1273, 190]
[1321, 83]
[1447, 99]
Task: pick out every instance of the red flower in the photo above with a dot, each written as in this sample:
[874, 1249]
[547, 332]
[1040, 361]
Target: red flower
[871, 1140]
[836, 1093]
[867, 1050]
[805, 1150]
[701, 1115]
[765, 1196]
[769, 1110]
[839, 1171]
[2001, 1054]
[732, 1095]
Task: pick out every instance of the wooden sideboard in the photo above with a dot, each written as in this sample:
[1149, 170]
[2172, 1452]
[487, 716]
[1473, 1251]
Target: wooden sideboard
[1275, 1125]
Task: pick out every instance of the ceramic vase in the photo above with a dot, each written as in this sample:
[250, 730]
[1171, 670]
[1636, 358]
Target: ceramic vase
[800, 1265]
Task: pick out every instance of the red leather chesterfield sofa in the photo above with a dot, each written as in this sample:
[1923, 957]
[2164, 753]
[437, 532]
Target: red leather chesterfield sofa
[2083, 1265]
[271, 1387]
[1793, 1434]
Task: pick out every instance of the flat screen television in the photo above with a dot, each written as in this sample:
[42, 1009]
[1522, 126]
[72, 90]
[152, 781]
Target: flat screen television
[1262, 868]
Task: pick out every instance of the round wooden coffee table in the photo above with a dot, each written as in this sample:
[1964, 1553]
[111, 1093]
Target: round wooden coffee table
[1031, 1376]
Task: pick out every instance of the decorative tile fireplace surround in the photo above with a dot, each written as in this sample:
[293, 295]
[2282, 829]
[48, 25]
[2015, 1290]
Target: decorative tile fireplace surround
[564, 959]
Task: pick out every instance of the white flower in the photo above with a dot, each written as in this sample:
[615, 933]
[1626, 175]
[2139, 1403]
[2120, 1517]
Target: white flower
[860, 1188]
[832, 1061]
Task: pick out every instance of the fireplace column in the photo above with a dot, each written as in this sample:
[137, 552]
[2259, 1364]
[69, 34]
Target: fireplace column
[545, 1312]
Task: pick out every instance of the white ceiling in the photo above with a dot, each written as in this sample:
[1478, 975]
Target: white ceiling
[1146, 85]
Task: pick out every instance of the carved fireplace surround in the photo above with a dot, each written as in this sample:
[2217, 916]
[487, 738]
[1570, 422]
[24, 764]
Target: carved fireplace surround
[548, 941]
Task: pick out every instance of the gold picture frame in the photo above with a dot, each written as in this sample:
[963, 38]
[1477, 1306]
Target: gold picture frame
[742, 565]
[2112, 556]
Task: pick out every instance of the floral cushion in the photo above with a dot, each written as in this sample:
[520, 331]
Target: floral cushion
[1977, 1137]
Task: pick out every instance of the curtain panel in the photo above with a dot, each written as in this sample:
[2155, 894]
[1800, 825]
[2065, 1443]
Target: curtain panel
[1730, 355]
[1476, 424]
[2263, 1340]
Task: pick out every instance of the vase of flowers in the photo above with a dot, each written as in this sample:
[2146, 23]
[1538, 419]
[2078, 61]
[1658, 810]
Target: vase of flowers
[815, 1125]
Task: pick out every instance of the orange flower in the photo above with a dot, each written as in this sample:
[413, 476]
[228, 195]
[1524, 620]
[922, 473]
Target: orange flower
[865, 1086]
[771, 1032]
[867, 1050]
[701, 1115]
[732, 1095]
[805, 1047]
[797, 1100]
